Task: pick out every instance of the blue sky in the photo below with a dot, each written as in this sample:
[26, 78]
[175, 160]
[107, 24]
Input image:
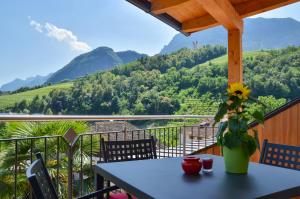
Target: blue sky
[39, 37]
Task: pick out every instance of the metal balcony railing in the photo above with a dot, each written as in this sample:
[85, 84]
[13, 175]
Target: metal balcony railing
[72, 173]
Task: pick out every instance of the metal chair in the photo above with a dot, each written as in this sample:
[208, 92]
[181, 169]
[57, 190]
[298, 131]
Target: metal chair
[42, 186]
[117, 151]
[280, 155]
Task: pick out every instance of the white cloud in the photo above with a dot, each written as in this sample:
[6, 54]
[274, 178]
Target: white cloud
[37, 26]
[61, 35]
[67, 36]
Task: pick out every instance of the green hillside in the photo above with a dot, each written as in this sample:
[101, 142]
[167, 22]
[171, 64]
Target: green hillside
[223, 59]
[9, 100]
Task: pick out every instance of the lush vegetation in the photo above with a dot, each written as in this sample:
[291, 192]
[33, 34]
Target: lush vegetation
[184, 82]
[9, 100]
[8, 160]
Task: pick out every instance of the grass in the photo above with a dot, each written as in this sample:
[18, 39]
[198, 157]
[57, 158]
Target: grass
[9, 100]
[223, 59]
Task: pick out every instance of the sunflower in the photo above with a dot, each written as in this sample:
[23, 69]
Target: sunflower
[238, 90]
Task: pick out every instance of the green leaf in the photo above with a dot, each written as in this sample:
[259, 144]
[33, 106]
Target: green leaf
[233, 125]
[259, 116]
[231, 140]
[256, 138]
[243, 125]
[222, 110]
[252, 146]
[221, 129]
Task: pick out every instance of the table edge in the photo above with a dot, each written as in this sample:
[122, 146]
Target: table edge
[120, 183]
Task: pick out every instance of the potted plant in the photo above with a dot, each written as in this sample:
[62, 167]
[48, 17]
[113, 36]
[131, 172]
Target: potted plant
[233, 135]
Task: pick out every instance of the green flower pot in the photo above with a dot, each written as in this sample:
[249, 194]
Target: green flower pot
[236, 160]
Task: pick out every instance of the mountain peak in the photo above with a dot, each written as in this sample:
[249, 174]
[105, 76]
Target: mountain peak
[100, 59]
[259, 33]
[27, 82]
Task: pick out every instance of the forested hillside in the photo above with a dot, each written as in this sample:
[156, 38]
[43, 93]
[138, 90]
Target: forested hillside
[187, 81]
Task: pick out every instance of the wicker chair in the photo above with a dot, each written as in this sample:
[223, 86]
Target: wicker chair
[280, 155]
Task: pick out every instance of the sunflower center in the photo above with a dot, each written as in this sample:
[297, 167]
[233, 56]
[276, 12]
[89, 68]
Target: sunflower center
[238, 92]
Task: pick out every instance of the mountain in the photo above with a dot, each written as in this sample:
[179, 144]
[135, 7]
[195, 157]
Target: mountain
[28, 82]
[99, 59]
[259, 33]
[129, 56]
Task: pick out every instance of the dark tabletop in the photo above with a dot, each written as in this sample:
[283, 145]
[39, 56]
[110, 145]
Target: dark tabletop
[164, 178]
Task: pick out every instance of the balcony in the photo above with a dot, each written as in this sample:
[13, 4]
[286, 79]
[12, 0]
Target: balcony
[71, 147]
[175, 136]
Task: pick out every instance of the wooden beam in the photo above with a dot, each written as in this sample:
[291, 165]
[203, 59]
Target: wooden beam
[255, 7]
[159, 7]
[246, 9]
[235, 65]
[198, 24]
[223, 12]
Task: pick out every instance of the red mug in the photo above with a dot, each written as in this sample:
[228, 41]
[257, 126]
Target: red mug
[191, 165]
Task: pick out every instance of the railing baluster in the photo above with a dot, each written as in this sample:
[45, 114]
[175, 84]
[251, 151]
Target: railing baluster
[213, 134]
[164, 133]
[57, 164]
[180, 141]
[172, 139]
[16, 168]
[45, 151]
[158, 143]
[184, 140]
[31, 158]
[192, 143]
[199, 138]
[31, 148]
[81, 170]
[176, 142]
[168, 138]
[205, 136]
[91, 151]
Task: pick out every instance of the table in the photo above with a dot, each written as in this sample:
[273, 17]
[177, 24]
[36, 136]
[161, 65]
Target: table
[164, 178]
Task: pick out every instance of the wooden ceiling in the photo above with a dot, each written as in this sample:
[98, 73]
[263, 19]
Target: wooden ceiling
[188, 16]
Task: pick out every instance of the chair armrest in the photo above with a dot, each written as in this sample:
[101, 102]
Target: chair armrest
[99, 192]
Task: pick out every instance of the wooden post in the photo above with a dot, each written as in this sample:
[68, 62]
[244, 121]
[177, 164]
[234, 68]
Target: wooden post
[235, 65]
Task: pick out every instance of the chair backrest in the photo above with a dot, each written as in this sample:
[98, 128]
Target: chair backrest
[40, 180]
[117, 151]
[280, 155]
